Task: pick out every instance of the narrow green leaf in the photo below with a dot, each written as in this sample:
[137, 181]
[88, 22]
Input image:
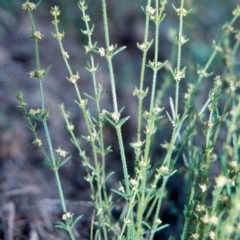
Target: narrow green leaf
[162, 227]
[39, 2]
[61, 225]
[122, 121]
[119, 193]
[76, 220]
[119, 50]
[64, 161]
[89, 96]
[109, 175]
[48, 69]
[146, 224]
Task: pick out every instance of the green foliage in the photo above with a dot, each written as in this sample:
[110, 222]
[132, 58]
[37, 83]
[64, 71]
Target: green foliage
[144, 192]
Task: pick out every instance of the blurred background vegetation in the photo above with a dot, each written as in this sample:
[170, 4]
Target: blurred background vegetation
[25, 184]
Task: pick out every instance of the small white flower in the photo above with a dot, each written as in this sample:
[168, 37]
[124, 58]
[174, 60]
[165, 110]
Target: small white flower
[73, 79]
[213, 220]
[65, 54]
[28, 5]
[203, 187]
[121, 189]
[61, 152]
[200, 208]
[179, 75]
[150, 10]
[182, 40]
[182, 11]
[205, 219]
[221, 181]
[134, 182]
[66, 215]
[127, 221]
[101, 52]
[83, 103]
[115, 116]
[70, 127]
[212, 235]
[137, 144]
[142, 46]
[111, 48]
[194, 236]
[158, 221]
[218, 48]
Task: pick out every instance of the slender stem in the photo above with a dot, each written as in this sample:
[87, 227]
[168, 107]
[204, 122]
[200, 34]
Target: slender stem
[189, 207]
[114, 97]
[55, 168]
[160, 197]
[113, 86]
[142, 74]
[210, 60]
[179, 56]
[105, 23]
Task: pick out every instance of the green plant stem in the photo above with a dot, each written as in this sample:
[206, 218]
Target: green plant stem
[142, 203]
[56, 174]
[216, 196]
[124, 162]
[97, 103]
[93, 146]
[128, 215]
[222, 119]
[190, 206]
[155, 71]
[179, 57]
[209, 62]
[142, 74]
[114, 97]
[159, 203]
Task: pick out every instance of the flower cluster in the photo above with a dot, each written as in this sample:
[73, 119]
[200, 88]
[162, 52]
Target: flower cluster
[228, 28]
[182, 40]
[35, 111]
[37, 35]
[162, 171]
[140, 93]
[59, 35]
[92, 137]
[67, 215]
[87, 32]
[179, 75]
[143, 46]
[101, 51]
[134, 183]
[55, 11]
[70, 127]
[37, 74]
[115, 116]
[103, 114]
[61, 152]
[236, 11]
[73, 78]
[203, 187]
[37, 142]
[65, 55]
[208, 124]
[190, 90]
[156, 66]
[181, 11]
[29, 6]
[221, 181]
[83, 103]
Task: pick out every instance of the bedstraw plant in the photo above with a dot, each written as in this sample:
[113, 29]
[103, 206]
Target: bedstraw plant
[212, 205]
